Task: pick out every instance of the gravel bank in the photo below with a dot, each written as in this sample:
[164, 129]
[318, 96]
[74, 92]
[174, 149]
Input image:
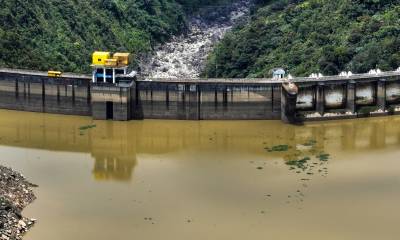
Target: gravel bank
[15, 194]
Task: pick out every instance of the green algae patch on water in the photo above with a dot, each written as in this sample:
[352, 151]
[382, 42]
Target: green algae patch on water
[323, 157]
[310, 143]
[86, 127]
[278, 148]
[298, 163]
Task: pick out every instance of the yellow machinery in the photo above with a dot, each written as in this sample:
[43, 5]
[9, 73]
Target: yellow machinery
[107, 67]
[122, 58]
[99, 58]
[54, 74]
[111, 63]
[104, 59]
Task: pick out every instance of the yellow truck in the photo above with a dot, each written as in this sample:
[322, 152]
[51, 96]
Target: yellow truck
[54, 73]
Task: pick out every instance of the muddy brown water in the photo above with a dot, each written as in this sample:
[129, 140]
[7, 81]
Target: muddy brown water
[158, 179]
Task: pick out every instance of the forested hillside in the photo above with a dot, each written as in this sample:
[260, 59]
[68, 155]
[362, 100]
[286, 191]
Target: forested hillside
[311, 36]
[61, 34]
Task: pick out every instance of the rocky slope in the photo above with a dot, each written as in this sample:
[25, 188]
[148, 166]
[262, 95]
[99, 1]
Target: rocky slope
[185, 55]
[15, 195]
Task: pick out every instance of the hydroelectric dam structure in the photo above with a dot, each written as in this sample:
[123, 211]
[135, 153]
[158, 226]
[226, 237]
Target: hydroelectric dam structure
[132, 97]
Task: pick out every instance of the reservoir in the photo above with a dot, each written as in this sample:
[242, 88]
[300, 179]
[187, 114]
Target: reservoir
[160, 179]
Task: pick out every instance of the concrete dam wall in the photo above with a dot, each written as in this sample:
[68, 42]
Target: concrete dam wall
[207, 99]
[36, 92]
[348, 97]
[322, 98]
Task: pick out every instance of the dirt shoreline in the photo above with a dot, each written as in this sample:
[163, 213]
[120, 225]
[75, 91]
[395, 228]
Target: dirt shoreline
[15, 194]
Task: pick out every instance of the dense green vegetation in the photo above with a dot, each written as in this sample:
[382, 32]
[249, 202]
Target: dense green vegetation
[311, 36]
[62, 34]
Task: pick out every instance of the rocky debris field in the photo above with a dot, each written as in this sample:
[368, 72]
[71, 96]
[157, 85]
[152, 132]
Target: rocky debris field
[185, 55]
[15, 194]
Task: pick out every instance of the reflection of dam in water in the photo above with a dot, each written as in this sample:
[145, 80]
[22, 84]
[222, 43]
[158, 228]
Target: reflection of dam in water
[116, 146]
[114, 168]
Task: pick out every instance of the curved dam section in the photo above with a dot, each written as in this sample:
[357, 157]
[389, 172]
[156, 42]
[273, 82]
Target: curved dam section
[130, 98]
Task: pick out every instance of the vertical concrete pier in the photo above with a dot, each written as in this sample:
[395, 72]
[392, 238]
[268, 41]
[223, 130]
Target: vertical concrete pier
[351, 96]
[381, 94]
[188, 102]
[288, 102]
[320, 99]
[194, 102]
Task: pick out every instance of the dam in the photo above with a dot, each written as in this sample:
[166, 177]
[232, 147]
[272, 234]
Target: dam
[131, 97]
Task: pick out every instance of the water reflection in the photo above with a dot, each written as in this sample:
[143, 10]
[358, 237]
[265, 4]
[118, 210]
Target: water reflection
[115, 146]
[114, 168]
